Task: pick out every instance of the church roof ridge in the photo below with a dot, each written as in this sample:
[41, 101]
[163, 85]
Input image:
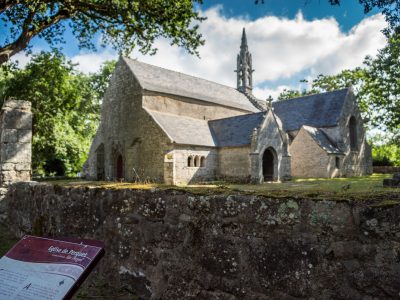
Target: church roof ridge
[157, 79]
[322, 139]
[237, 117]
[316, 110]
[184, 74]
[312, 95]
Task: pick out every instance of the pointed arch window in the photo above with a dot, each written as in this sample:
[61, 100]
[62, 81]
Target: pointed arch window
[353, 135]
[197, 161]
[202, 161]
[190, 161]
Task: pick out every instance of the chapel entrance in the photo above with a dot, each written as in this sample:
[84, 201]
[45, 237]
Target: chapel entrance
[268, 164]
[120, 168]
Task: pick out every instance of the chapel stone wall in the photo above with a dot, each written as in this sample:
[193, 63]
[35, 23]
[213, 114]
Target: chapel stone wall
[187, 107]
[127, 130]
[309, 160]
[15, 142]
[188, 166]
[356, 162]
[270, 136]
[234, 163]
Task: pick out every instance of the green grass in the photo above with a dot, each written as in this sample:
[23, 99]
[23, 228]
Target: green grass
[354, 188]
[337, 187]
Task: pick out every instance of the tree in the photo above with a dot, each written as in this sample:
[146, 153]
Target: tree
[376, 84]
[100, 80]
[382, 85]
[65, 108]
[123, 24]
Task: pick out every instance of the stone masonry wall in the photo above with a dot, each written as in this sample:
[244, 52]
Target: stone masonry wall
[234, 163]
[170, 244]
[127, 129]
[178, 105]
[184, 174]
[356, 163]
[310, 160]
[15, 141]
[270, 135]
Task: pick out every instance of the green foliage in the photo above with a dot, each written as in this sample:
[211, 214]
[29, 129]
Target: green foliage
[382, 86]
[289, 94]
[122, 24]
[385, 152]
[376, 84]
[65, 105]
[100, 80]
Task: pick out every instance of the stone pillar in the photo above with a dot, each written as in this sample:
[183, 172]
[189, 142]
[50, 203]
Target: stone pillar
[15, 142]
[255, 168]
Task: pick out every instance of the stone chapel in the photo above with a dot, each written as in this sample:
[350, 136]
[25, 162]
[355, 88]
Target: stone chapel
[165, 126]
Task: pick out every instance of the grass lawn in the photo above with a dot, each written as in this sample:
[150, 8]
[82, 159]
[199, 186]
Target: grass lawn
[338, 188]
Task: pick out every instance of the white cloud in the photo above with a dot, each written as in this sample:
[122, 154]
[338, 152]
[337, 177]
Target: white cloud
[22, 59]
[281, 48]
[264, 93]
[91, 62]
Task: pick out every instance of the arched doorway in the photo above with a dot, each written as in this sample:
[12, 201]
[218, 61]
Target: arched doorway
[120, 168]
[268, 164]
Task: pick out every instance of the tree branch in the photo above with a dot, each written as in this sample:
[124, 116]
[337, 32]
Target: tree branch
[5, 4]
[28, 33]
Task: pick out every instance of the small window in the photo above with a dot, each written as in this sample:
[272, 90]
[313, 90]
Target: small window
[197, 161]
[337, 162]
[353, 134]
[202, 161]
[190, 161]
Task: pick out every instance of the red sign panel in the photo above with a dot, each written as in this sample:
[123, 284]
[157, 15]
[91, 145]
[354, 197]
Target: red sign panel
[42, 268]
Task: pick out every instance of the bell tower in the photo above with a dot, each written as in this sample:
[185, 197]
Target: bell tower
[244, 67]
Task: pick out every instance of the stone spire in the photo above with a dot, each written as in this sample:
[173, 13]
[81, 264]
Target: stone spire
[244, 67]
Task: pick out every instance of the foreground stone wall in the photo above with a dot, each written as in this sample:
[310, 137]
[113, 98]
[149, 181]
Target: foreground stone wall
[386, 169]
[174, 245]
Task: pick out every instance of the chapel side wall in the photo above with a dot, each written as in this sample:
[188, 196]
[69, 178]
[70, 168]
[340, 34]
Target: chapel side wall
[234, 163]
[184, 174]
[150, 150]
[126, 129]
[122, 96]
[309, 160]
[187, 107]
[355, 163]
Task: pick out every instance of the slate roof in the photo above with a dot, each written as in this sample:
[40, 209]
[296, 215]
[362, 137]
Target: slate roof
[235, 131]
[156, 79]
[319, 110]
[184, 130]
[322, 140]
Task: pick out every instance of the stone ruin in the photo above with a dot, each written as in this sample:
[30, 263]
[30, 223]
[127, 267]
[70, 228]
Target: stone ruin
[15, 142]
[392, 182]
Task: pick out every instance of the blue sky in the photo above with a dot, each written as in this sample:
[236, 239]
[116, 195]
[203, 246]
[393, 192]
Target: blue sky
[348, 13]
[289, 39]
